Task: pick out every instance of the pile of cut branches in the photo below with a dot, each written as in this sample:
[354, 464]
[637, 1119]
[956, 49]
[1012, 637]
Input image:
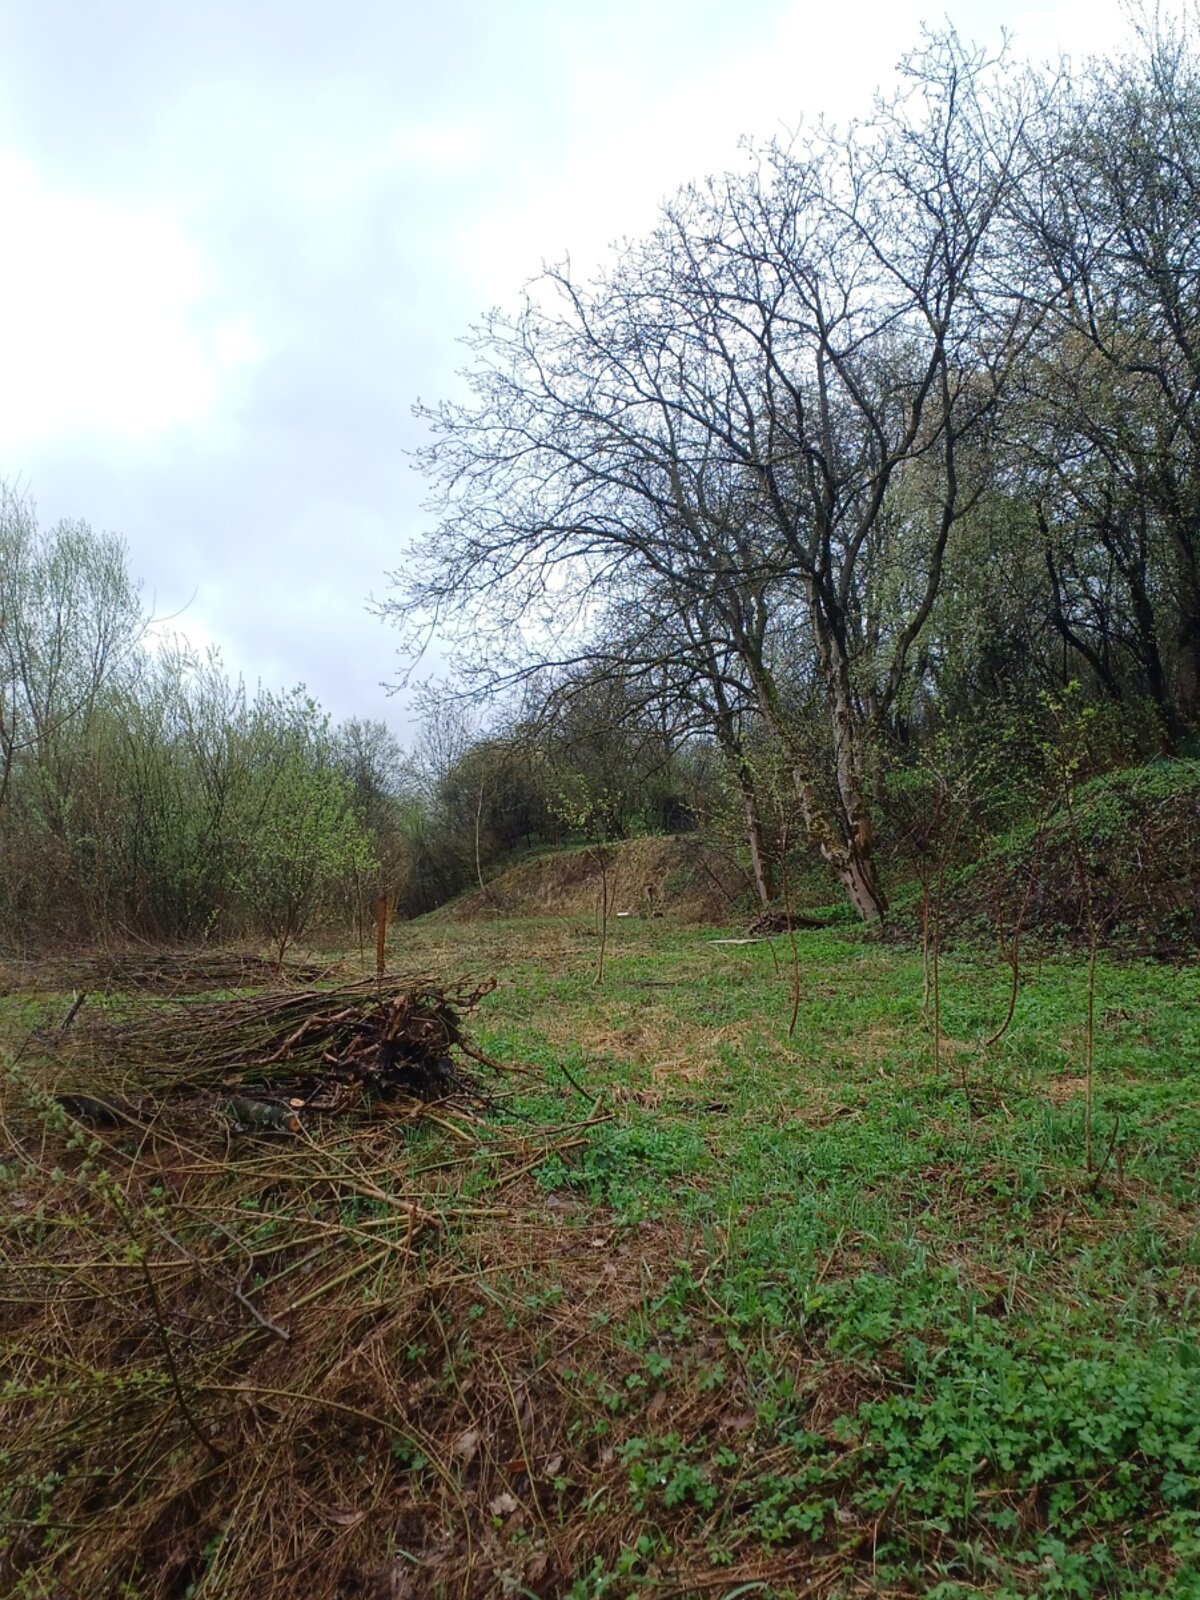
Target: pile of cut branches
[223, 1370]
[165, 972]
[278, 1054]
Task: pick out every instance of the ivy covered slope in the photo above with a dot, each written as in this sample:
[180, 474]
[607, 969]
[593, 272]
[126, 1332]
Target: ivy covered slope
[1127, 850]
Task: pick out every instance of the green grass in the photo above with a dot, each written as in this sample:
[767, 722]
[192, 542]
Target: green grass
[829, 1316]
[1016, 1337]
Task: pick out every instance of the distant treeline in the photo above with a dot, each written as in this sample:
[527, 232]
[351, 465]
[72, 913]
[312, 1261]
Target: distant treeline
[146, 794]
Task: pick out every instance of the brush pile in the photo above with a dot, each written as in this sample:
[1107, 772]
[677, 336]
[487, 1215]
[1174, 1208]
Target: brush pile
[224, 1356]
[164, 972]
[278, 1055]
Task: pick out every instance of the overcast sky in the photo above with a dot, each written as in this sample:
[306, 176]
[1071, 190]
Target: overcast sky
[241, 238]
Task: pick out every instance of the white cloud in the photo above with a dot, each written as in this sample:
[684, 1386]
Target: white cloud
[642, 125]
[435, 147]
[103, 325]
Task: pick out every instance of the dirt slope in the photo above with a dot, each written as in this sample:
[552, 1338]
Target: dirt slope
[688, 880]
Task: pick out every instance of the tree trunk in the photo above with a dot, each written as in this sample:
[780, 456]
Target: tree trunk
[860, 879]
[1189, 675]
[852, 861]
[759, 860]
[849, 851]
[848, 847]
[729, 739]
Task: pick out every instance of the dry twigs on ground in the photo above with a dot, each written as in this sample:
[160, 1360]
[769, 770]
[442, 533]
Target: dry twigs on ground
[225, 1359]
[162, 972]
[302, 1051]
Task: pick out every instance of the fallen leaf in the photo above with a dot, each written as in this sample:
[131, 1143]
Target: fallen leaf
[466, 1444]
[554, 1466]
[657, 1401]
[503, 1505]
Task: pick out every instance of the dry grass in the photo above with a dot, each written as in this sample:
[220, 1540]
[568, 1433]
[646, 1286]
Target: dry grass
[1060, 1091]
[161, 972]
[689, 881]
[649, 1037]
[371, 1359]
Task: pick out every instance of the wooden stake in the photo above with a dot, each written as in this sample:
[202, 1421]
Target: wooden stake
[381, 914]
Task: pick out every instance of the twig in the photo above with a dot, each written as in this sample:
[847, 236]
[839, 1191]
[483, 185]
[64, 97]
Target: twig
[235, 1289]
[1112, 1140]
[76, 1007]
[1013, 952]
[600, 857]
[217, 1456]
[592, 1099]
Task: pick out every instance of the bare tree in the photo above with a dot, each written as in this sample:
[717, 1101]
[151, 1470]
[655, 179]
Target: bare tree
[1110, 425]
[776, 408]
[673, 661]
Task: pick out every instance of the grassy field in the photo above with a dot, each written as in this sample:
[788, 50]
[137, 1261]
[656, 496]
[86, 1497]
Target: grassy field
[682, 1306]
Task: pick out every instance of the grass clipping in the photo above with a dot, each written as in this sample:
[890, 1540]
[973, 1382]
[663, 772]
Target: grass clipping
[223, 1342]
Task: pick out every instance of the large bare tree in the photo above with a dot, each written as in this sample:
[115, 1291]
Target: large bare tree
[776, 409]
